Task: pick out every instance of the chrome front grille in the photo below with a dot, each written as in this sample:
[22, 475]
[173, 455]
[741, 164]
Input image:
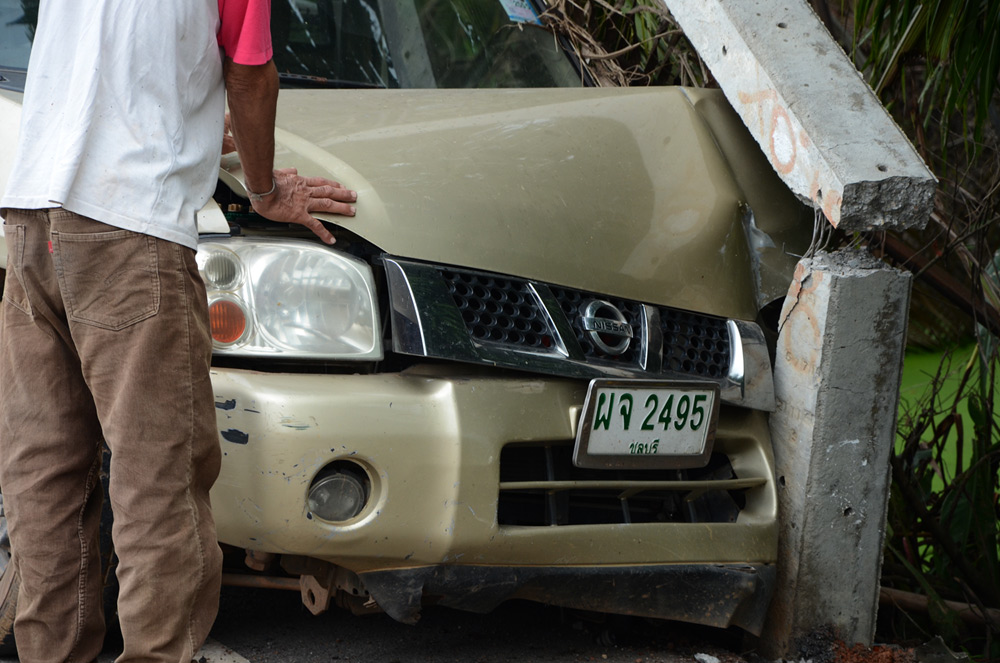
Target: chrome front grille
[497, 309]
[510, 322]
[695, 344]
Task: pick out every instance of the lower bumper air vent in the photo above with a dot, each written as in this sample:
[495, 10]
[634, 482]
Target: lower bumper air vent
[540, 486]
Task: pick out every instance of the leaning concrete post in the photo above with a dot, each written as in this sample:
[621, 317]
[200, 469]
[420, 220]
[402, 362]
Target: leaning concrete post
[837, 372]
[840, 350]
[814, 117]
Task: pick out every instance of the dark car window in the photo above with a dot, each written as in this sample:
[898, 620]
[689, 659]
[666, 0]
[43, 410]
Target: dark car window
[377, 43]
[416, 44]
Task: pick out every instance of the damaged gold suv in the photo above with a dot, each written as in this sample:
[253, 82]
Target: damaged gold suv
[534, 365]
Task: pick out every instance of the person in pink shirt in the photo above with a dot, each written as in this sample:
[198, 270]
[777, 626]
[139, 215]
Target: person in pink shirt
[105, 331]
[252, 85]
[245, 30]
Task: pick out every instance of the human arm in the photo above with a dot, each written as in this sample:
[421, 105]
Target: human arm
[228, 144]
[253, 96]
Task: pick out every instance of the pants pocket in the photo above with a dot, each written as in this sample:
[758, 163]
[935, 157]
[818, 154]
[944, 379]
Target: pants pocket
[108, 279]
[14, 292]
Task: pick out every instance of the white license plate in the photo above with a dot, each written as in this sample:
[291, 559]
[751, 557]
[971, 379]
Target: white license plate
[647, 424]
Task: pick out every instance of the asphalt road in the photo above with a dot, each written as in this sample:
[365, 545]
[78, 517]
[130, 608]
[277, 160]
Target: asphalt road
[271, 626]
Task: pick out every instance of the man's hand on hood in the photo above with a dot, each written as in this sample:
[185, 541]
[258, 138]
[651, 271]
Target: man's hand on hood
[279, 195]
[294, 198]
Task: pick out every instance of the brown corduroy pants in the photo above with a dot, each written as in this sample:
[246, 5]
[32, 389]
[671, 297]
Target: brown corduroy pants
[105, 334]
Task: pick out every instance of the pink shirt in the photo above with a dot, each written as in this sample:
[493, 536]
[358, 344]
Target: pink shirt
[245, 32]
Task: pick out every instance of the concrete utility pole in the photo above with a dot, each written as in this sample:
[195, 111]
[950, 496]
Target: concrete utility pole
[843, 327]
[822, 127]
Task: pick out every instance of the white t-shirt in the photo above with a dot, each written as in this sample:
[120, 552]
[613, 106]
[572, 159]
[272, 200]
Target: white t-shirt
[146, 160]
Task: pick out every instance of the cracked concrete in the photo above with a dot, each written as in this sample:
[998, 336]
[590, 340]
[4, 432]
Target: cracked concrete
[820, 125]
[836, 378]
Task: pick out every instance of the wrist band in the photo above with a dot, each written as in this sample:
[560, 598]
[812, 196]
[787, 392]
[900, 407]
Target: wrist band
[257, 197]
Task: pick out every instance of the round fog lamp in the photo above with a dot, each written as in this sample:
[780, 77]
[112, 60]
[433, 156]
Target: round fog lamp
[337, 496]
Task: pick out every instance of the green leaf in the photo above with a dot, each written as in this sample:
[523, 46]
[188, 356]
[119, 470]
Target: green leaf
[960, 40]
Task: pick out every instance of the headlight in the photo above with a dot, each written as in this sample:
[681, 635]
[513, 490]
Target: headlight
[289, 298]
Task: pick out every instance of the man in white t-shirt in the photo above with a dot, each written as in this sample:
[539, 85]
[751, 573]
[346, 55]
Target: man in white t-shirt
[105, 324]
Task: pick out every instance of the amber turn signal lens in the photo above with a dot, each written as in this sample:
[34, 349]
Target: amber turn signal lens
[228, 321]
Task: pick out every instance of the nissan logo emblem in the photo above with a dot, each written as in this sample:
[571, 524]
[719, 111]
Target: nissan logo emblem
[606, 327]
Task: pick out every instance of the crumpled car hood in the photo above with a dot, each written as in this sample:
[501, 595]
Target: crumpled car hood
[620, 192]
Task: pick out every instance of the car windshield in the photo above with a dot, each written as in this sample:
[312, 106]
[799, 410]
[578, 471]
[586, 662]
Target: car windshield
[418, 43]
[382, 43]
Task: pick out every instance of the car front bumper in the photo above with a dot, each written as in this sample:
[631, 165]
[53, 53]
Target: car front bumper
[430, 440]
